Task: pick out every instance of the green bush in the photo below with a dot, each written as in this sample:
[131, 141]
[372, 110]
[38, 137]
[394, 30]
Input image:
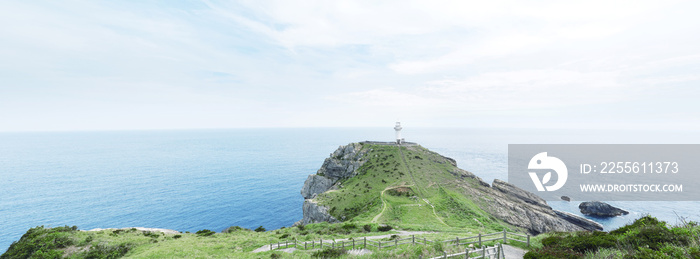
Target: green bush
[40, 242]
[260, 229]
[552, 253]
[384, 228]
[349, 226]
[177, 236]
[108, 252]
[234, 229]
[151, 234]
[329, 253]
[654, 236]
[205, 233]
[367, 228]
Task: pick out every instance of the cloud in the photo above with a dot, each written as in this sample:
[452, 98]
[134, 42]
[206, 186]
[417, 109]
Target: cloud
[294, 63]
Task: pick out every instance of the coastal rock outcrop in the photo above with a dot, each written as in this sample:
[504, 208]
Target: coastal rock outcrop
[585, 223]
[342, 163]
[600, 209]
[525, 209]
[500, 199]
[314, 185]
[313, 212]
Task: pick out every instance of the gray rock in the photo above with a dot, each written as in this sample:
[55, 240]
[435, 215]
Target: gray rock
[314, 185]
[512, 190]
[314, 213]
[342, 163]
[565, 198]
[600, 209]
[587, 224]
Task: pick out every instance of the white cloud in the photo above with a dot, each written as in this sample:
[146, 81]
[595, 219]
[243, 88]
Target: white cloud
[264, 62]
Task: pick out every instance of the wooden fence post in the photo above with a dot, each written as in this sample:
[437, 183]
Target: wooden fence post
[286, 243]
[425, 241]
[396, 243]
[305, 245]
[413, 237]
[365, 242]
[320, 244]
[457, 241]
[479, 238]
[353, 243]
[483, 252]
[528, 240]
[504, 236]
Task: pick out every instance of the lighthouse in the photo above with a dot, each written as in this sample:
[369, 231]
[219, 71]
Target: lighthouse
[398, 128]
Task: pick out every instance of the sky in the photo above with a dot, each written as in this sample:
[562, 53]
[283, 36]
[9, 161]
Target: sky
[129, 65]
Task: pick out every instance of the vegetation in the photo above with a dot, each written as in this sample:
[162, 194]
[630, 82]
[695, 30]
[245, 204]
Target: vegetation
[647, 237]
[406, 188]
[411, 188]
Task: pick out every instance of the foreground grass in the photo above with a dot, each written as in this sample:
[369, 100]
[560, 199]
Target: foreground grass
[647, 237]
[69, 242]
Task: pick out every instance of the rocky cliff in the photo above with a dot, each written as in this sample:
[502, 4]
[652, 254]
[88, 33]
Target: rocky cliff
[525, 209]
[429, 173]
[342, 163]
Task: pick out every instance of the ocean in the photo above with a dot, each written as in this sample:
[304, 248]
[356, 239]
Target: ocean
[188, 180]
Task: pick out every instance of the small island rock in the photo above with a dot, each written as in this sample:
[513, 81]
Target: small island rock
[566, 198]
[600, 209]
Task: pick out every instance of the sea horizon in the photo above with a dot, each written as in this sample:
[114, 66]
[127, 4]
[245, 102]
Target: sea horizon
[188, 180]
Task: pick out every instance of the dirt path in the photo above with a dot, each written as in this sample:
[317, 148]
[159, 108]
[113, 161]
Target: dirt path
[417, 187]
[399, 233]
[513, 252]
[381, 197]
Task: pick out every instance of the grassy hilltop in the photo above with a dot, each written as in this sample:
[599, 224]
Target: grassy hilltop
[413, 188]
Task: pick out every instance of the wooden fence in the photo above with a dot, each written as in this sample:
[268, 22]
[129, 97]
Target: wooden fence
[479, 239]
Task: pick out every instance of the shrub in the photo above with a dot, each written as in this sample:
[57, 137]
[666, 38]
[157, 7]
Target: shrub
[384, 228]
[367, 228]
[300, 227]
[260, 229]
[205, 233]
[234, 229]
[349, 226]
[152, 234]
[177, 236]
[285, 235]
[552, 253]
[40, 242]
[329, 253]
[105, 251]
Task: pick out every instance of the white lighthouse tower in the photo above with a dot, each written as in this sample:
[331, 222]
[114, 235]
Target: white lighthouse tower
[398, 128]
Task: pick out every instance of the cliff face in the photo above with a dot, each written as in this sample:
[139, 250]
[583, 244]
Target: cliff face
[525, 209]
[342, 163]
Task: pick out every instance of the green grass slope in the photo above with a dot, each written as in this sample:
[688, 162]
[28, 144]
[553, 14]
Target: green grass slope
[412, 188]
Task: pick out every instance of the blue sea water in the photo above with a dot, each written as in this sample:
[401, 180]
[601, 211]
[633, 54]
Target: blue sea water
[189, 180]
